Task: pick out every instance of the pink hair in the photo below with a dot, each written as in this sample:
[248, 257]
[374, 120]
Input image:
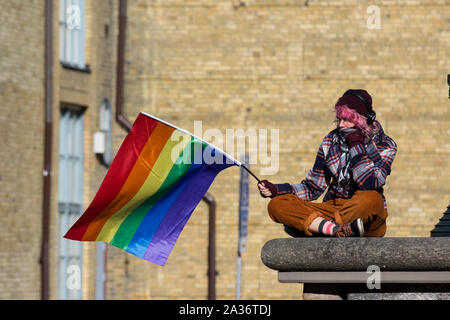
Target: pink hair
[344, 112]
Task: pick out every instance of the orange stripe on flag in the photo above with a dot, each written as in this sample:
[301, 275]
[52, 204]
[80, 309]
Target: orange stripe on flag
[135, 180]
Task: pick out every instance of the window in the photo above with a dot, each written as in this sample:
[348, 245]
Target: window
[70, 201]
[105, 124]
[72, 33]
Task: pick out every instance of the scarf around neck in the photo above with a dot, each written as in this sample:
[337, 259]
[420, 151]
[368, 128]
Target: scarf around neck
[344, 161]
[344, 172]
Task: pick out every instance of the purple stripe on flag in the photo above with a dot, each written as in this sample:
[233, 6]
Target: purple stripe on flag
[179, 213]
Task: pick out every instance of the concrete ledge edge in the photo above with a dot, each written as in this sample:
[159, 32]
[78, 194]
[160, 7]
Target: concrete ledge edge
[363, 277]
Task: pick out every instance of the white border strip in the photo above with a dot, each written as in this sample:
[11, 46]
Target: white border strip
[184, 131]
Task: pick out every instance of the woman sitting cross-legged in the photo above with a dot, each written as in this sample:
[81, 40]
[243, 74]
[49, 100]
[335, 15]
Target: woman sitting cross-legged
[353, 162]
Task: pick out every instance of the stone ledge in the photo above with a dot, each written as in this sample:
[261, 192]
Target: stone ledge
[356, 254]
[336, 268]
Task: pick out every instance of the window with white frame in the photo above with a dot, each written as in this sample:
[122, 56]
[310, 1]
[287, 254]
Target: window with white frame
[72, 33]
[70, 200]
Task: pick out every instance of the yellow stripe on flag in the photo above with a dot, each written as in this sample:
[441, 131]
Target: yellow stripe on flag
[155, 179]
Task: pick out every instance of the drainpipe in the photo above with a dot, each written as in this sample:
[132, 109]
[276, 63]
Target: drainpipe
[123, 121]
[211, 246]
[48, 125]
[120, 118]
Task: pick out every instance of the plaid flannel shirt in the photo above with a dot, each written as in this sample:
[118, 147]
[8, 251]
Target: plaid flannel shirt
[370, 165]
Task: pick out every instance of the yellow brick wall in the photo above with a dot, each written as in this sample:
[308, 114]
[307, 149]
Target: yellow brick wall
[282, 65]
[266, 64]
[21, 158]
[22, 76]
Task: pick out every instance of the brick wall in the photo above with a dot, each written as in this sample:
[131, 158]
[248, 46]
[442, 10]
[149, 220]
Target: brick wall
[267, 64]
[21, 129]
[22, 76]
[283, 65]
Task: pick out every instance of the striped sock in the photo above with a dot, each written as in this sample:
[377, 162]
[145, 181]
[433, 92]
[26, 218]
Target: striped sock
[327, 227]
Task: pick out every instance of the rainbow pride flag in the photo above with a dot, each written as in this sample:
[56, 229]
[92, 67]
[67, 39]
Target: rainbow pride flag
[153, 185]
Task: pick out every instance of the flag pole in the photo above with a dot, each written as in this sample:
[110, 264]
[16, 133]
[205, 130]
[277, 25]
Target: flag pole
[259, 181]
[238, 163]
[182, 130]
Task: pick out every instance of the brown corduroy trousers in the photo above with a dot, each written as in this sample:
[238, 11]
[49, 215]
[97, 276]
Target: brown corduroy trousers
[297, 213]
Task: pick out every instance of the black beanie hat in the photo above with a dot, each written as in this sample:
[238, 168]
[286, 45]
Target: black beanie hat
[356, 103]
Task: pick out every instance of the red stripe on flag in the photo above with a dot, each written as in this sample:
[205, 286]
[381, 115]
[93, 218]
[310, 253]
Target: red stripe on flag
[117, 174]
